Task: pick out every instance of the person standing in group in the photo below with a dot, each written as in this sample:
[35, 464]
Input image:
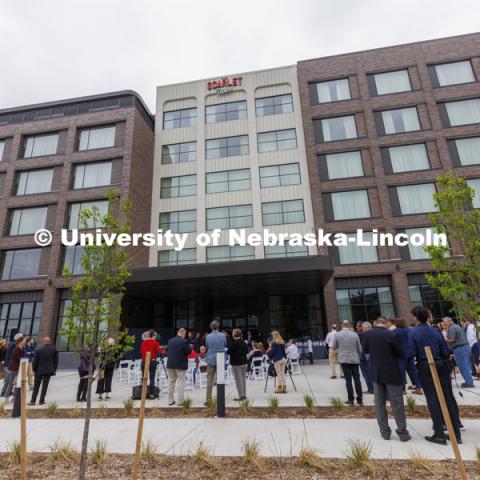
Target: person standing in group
[215, 342]
[13, 366]
[237, 351]
[349, 352]
[83, 370]
[278, 356]
[3, 352]
[472, 337]
[44, 365]
[106, 371]
[28, 353]
[178, 350]
[151, 345]
[332, 353]
[385, 350]
[364, 366]
[424, 335]
[458, 345]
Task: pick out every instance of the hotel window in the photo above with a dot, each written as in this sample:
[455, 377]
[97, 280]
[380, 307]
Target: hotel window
[337, 128]
[463, 112]
[350, 205]
[26, 221]
[18, 264]
[73, 260]
[89, 175]
[230, 254]
[228, 181]
[474, 183]
[282, 213]
[406, 158]
[465, 151]
[273, 105]
[277, 140]
[96, 137]
[452, 73]
[399, 120]
[364, 304]
[74, 211]
[34, 181]
[180, 118]
[2, 149]
[40, 145]
[173, 257]
[353, 253]
[227, 147]
[332, 91]
[287, 250]
[24, 316]
[389, 82]
[224, 112]
[340, 165]
[417, 252]
[223, 218]
[280, 175]
[429, 297]
[414, 199]
[184, 186]
[179, 153]
[184, 221]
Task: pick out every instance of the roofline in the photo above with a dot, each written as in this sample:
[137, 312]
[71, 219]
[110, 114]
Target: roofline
[86, 98]
[355, 52]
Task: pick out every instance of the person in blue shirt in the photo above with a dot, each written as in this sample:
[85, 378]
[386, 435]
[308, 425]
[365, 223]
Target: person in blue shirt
[215, 342]
[424, 335]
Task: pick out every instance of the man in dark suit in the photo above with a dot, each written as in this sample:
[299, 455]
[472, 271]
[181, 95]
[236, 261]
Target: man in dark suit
[178, 350]
[385, 350]
[44, 365]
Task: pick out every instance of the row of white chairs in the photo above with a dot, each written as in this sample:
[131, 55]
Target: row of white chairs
[259, 367]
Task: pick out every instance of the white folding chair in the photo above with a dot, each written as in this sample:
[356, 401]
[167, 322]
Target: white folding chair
[294, 366]
[258, 371]
[123, 368]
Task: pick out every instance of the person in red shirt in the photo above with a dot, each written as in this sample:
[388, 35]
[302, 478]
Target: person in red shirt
[151, 345]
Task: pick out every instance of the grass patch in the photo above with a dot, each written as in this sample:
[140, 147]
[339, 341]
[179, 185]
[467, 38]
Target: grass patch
[99, 451]
[410, 404]
[309, 401]
[422, 462]
[203, 456]
[359, 454]
[477, 454]
[62, 452]
[51, 409]
[212, 406]
[2, 408]
[14, 453]
[187, 405]
[245, 406]
[76, 412]
[128, 406]
[337, 403]
[273, 404]
[308, 456]
[102, 410]
[149, 452]
[251, 453]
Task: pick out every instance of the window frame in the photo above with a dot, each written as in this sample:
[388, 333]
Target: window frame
[178, 222]
[280, 175]
[180, 110]
[35, 136]
[273, 97]
[395, 199]
[229, 218]
[228, 181]
[277, 141]
[372, 84]
[227, 147]
[95, 127]
[313, 91]
[379, 122]
[15, 251]
[179, 145]
[432, 70]
[172, 187]
[387, 161]
[318, 128]
[86, 165]
[18, 174]
[322, 164]
[283, 211]
[226, 111]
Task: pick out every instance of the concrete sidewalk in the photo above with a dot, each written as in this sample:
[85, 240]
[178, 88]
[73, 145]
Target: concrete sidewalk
[277, 437]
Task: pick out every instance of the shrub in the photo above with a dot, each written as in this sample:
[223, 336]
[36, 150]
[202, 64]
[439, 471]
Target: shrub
[102, 410]
[212, 406]
[422, 462]
[99, 451]
[76, 412]
[149, 452]
[62, 452]
[309, 456]
[245, 405]
[309, 401]
[2, 408]
[187, 405]
[251, 453]
[358, 454]
[272, 404]
[203, 456]
[337, 403]
[51, 409]
[128, 406]
[14, 453]
[410, 404]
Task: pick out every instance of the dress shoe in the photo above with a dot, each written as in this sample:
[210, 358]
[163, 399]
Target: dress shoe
[171, 403]
[437, 440]
[467, 385]
[31, 404]
[386, 435]
[349, 402]
[333, 376]
[459, 440]
[41, 402]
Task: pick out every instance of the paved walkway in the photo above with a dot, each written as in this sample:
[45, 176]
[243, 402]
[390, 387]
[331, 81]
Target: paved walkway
[277, 437]
[314, 380]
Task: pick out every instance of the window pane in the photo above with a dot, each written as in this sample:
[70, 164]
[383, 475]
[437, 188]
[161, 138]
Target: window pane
[40, 145]
[100, 137]
[273, 105]
[401, 120]
[339, 128]
[353, 253]
[180, 118]
[21, 263]
[468, 150]
[179, 153]
[344, 165]
[73, 260]
[28, 220]
[2, 148]
[225, 112]
[348, 205]
[417, 252]
[463, 112]
[408, 158]
[102, 206]
[454, 73]
[333, 90]
[392, 82]
[93, 175]
[416, 198]
[475, 184]
[36, 181]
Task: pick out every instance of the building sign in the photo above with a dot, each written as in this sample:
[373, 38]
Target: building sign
[224, 85]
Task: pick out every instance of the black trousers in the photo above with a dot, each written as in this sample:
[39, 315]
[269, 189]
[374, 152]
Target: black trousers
[82, 386]
[43, 380]
[352, 371]
[151, 373]
[105, 384]
[432, 399]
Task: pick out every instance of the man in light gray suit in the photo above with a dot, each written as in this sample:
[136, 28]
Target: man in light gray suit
[349, 351]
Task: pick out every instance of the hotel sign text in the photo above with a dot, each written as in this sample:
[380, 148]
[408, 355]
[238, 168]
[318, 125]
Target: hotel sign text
[224, 85]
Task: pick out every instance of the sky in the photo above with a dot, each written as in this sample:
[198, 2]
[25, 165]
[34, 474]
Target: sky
[56, 49]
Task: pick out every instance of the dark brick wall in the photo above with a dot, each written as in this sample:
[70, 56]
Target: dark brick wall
[356, 66]
[131, 176]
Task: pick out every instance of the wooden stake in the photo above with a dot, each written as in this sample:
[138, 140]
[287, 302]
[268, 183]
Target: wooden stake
[23, 420]
[138, 448]
[446, 415]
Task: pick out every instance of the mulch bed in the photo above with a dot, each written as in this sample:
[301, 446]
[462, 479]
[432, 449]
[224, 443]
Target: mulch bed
[42, 466]
[421, 411]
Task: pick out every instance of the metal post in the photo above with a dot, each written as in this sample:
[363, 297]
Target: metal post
[221, 384]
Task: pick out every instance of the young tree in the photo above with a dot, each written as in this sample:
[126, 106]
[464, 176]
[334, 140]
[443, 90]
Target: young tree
[95, 305]
[457, 265]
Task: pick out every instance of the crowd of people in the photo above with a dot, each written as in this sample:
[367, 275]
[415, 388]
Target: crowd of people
[388, 350]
